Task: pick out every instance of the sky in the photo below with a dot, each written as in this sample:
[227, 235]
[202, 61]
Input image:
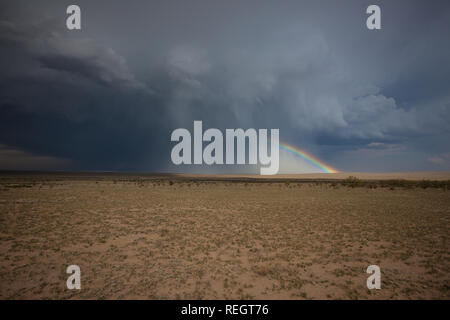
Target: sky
[108, 96]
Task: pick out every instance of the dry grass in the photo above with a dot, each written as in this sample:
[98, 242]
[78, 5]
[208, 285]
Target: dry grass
[170, 238]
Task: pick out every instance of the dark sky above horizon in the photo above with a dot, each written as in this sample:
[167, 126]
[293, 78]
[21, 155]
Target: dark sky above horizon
[107, 97]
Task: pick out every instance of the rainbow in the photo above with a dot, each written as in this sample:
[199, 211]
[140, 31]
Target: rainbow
[308, 157]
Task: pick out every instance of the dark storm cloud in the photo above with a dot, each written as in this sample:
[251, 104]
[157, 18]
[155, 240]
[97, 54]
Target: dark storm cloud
[108, 96]
[81, 57]
[74, 99]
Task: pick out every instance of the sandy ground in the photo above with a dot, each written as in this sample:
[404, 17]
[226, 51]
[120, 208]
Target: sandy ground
[429, 175]
[170, 238]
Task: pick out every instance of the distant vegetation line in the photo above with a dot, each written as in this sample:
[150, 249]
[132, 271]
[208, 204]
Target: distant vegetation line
[29, 179]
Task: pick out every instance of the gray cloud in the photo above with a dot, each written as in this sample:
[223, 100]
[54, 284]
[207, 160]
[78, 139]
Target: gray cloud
[14, 159]
[75, 57]
[109, 96]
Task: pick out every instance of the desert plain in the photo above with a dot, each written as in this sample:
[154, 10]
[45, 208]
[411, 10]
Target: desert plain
[143, 236]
